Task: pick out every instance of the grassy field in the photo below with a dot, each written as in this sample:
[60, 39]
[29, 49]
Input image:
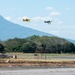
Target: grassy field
[31, 59]
[44, 56]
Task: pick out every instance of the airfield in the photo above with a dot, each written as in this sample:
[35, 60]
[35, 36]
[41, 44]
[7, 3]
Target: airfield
[41, 60]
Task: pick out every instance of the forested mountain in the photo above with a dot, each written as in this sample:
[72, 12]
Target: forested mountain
[37, 44]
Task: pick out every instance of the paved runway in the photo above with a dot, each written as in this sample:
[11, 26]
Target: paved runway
[48, 71]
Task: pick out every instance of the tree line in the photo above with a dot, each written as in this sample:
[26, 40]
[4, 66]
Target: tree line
[38, 44]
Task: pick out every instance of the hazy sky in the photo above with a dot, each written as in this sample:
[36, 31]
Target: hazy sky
[61, 12]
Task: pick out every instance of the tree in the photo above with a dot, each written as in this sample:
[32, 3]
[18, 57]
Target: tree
[28, 47]
[43, 44]
[1, 48]
[13, 45]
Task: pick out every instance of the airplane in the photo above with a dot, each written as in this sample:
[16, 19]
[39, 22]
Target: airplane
[49, 22]
[26, 19]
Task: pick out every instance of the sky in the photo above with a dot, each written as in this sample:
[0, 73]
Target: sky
[60, 12]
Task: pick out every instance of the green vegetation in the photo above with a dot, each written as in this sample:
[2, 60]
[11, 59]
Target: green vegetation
[37, 44]
[1, 48]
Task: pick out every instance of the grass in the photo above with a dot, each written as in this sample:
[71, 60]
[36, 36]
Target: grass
[44, 56]
[36, 60]
[28, 59]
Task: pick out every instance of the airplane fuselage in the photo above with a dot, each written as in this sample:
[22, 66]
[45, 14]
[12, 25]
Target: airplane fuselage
[49, 22]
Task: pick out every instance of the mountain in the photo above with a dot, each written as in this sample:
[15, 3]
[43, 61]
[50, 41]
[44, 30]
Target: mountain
[70, 40]
[10, 30]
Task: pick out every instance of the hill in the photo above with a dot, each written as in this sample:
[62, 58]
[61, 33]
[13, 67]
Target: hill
[36, 44]
[11, 30]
